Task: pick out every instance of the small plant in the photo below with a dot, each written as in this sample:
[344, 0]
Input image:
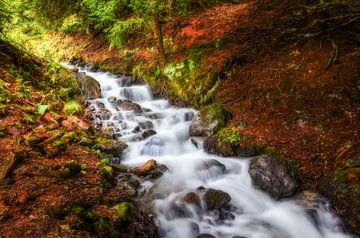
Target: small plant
[231, 135]
[42, 108]
[72, 107]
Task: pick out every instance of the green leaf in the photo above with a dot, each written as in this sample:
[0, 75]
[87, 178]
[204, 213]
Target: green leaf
[42, 109]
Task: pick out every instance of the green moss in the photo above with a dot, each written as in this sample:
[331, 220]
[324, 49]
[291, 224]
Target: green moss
[271, 150]
[124, 213]
[231, 135]
[72, 106]
[215, 113]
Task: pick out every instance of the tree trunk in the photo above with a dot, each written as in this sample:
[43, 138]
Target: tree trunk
[156, 25]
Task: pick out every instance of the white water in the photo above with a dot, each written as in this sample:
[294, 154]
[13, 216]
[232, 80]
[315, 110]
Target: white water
[256, 214]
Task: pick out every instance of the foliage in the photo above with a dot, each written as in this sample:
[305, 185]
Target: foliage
[71, 107]
[42, 108]
[4, 14]
[231, 135]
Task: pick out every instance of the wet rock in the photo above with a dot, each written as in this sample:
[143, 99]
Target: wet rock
[130, 81]
[128, 106]
[94, 68]
[198, 128]
[215, 199]
[195, 229]
[178, 210]
[74, 123]
[110, 146]
[205, 235]
[213, 145]
[211, 164]
[189, 116]
[103, 114]
[126, 182]
[154, 115]
[192, 198]
[272, 176]
[89, 86]
[111, 99]
[150, 169]
[310, 200]
[100, 105]
[146, 125]
[148, 133]
[136, 129]
[73, 60]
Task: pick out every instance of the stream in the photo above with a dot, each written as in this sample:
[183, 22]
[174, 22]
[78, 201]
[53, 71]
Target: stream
[251, 213]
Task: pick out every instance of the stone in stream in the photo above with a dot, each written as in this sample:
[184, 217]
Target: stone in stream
[215, 199]
[148, 133]
[146, 125]
[126, 81]
[154, 115]
[150, 169]
[110, 146]
[199, 128]
[128, 106]
[111, 99]
[189, 116]
[213, 145]
[100, 105]
[205, 235]
[103, 114]
[211, 164]
[137, 129]
[90, 88]
[272, 176]
[192, 198]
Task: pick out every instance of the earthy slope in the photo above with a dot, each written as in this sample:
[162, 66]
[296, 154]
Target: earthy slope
[50, 184]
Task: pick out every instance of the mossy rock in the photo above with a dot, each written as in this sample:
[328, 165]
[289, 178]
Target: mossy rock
[215, 113]
[111, 146]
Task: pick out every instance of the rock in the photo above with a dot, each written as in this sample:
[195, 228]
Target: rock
[189, 116]
[103, 114]
[89, 86]
[150, 169]
[213, 145]
[73, 60]
[178, 210]
[192, 198]
[212, 164]
[127, 81]
[199, 128]
[154, 115]
[125, 182]
[136, 129]
[74, 123]
[50, 118]
[6, 165]
[205, 235]
[215, 199]
[110, 146]
[100, 105]
[94, 68]
[272, 176]
[111, 99]
[146, 125]
[128, 106]
[310, 200]
[148, 133]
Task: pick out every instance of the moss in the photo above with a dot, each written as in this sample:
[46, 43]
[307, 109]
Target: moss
[215, 113]
[271, 150]
[71, 107]
[232, 136]
[124, 214]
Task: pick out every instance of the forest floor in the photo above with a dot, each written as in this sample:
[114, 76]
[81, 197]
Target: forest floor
[299, 97]
[51, 183]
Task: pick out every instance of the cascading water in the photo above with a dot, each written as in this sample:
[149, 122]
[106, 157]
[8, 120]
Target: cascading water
[251, 212]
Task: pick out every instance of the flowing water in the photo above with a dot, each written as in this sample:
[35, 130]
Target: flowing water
[253, 213]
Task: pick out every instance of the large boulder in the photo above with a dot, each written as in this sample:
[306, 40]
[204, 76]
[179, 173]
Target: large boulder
[90, 88]
[272, 176]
